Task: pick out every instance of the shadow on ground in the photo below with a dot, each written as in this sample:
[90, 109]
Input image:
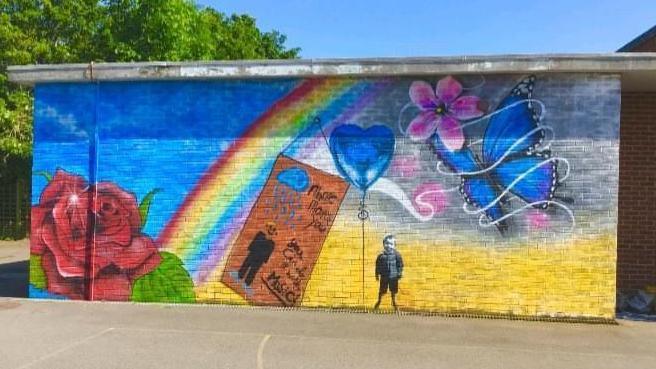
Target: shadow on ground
[14, 277]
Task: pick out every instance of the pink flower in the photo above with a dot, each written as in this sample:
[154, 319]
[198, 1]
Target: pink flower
[441, 111]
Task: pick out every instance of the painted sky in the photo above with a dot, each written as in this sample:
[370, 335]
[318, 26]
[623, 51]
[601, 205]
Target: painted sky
[366, 28]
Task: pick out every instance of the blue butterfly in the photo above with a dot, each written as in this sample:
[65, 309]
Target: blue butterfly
[510, 161]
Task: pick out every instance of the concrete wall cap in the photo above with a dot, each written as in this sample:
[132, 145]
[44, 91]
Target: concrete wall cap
[623, 63]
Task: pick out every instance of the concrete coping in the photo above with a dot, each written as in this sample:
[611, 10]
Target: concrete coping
[617, 63]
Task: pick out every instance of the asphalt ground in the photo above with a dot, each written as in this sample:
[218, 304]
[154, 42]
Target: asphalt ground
[64, 334]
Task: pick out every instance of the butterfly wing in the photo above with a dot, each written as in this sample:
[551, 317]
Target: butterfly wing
[532, 178]
[479, 192]
[459, 161]
[476, 189]
[515, 119]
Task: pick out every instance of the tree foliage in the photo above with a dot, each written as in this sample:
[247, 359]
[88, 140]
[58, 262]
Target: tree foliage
[80, 31]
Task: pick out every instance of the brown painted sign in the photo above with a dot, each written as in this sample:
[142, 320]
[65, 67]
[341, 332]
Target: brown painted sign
[271, 261]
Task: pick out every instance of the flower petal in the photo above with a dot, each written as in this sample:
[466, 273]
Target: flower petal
[118, 233]
[111, 286]
[423, 126]
[448, 89]
[72, 288]
[39, 214]
[148, 266]
[466, 107]
[140, 249]
[69, 226]
[63, 184]
[421, 93]
[121, 201]
[66, 265]
[450, 133]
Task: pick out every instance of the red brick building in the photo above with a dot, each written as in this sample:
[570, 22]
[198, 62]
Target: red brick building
[636, 252]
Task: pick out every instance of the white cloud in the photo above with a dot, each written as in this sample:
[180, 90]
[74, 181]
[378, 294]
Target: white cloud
[66, 121]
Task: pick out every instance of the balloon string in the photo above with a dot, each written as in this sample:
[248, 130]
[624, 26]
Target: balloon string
[363, 215]
[316, 120]
[363, 245]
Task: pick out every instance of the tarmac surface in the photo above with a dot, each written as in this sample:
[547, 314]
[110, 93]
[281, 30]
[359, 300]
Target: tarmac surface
[62, 334]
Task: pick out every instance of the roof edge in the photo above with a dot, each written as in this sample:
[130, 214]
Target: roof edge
[366, 67]
[638, 40]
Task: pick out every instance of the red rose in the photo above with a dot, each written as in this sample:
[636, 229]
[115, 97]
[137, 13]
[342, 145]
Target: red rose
[117, 251]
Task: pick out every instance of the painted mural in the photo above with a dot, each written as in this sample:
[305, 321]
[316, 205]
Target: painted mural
[479, 194]
[283, 234]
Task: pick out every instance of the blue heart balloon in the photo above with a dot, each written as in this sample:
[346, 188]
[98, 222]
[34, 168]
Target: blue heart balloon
[362, 155]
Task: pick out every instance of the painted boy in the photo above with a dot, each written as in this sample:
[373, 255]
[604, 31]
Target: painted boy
[389, 269]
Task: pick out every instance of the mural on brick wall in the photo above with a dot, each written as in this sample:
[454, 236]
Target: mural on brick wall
[274, 254]
[513, 158]
[492, 194]
[123, 264]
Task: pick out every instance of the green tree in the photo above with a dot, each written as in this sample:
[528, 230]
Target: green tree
[80, 31]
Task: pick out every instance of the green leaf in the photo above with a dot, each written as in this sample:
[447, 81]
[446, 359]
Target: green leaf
[37, 275]
[144, 207]
[169, 282]
[45, 175]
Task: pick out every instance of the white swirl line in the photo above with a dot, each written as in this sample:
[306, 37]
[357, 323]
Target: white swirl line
[501, 159]
[419, 199]
[543, 146]
[485, 223]
[513, 183]
[543, 110]
[398, 122]
[481, 84]
[393, 190]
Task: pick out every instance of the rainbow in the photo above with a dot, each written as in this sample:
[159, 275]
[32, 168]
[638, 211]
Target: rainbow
[214, 211]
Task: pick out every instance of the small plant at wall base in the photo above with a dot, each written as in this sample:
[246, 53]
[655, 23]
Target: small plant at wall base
[93, 233]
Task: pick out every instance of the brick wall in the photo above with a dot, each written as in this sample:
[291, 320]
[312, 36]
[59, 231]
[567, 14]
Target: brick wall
[227, 192]
[636, 252]
[648, 45]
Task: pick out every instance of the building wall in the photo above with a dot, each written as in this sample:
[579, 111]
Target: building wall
[501, 192]
[636, 253]
[648, 45]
